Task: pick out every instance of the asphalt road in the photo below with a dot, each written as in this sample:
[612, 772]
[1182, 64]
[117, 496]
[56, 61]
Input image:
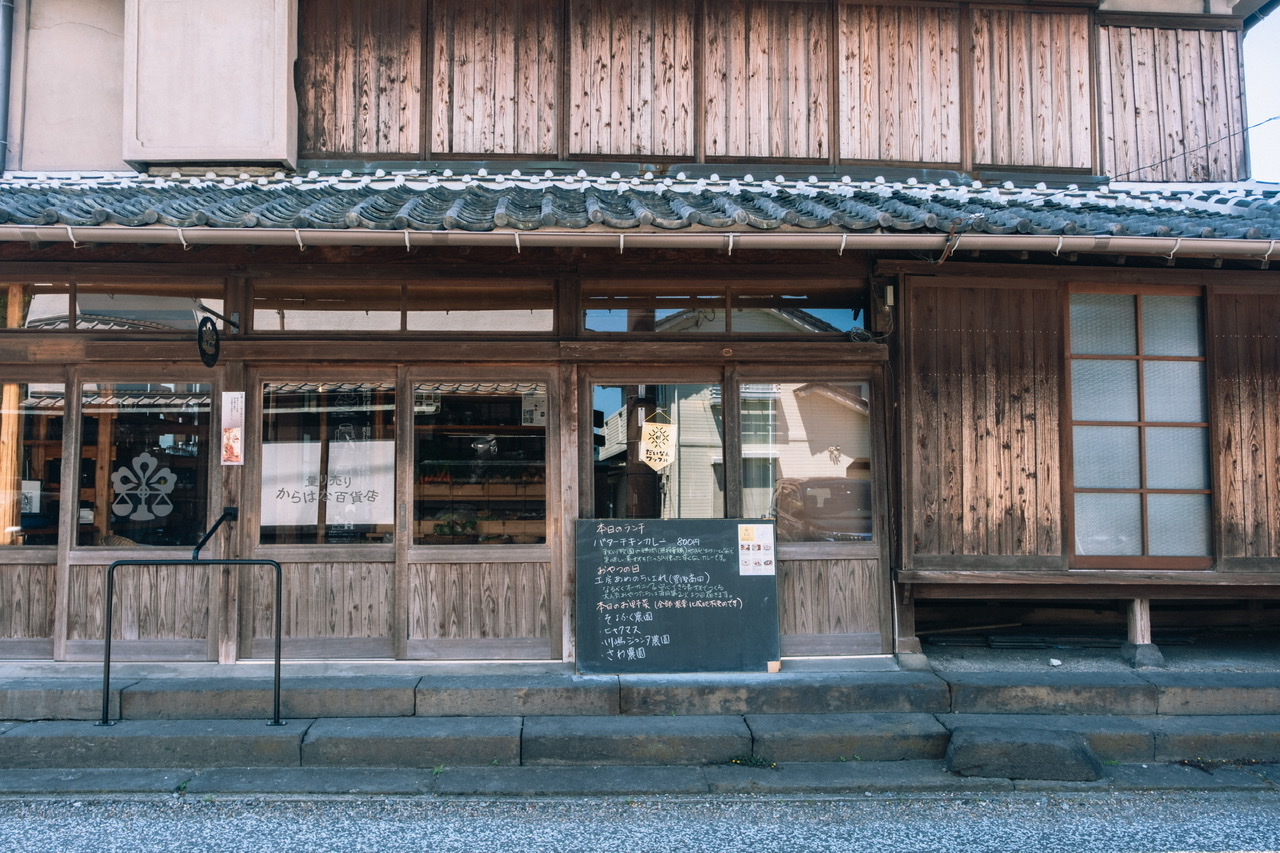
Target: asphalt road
[1097, 823]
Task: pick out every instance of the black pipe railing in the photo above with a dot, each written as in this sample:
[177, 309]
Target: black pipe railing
[228, 514]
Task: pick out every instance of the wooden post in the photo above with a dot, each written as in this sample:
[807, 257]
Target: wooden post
[11, 437]
[1140, 621]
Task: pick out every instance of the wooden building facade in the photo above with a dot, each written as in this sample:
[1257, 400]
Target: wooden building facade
[518, 232]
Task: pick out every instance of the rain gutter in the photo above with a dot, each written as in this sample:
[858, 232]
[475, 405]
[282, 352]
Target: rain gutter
[1168, 247]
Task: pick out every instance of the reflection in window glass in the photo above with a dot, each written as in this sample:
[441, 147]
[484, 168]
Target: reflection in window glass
[145, 307]
[806, 450]
[473, 306]
[143, 463]
[328, 463]
[480, 451]
[31, 424]
[36, 306]
[310, 307]
[784, 308]
[659, 451]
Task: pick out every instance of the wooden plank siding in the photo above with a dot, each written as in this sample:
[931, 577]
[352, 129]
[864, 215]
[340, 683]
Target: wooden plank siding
[1031, 89]
[1245, 360]
[480, 609]
[26, 601]
[1170, 104]
[830, 607]
[953, 84]
[335, 609]
[983, 366]
[361, 76]
[899, 90]
[157, 613]
[765, 78]
[630, 69]
[494, 78]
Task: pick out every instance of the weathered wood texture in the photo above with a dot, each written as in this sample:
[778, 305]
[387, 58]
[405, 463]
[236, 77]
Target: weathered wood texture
[495, 71]
[829, 597]
[631, 77]
[1031, 98]
[899, 86]
[361, 76]
[344, 601]
[1245, 359]
[983, 368]
[765, 73]
[26, 602]
[461, 601]
[1171, 104]
[149, 603]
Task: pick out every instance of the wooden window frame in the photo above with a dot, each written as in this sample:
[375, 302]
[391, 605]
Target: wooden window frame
[1146, 561]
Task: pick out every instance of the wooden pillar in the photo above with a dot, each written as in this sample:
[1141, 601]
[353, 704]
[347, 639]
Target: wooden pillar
[11, 437]
[1140, 621]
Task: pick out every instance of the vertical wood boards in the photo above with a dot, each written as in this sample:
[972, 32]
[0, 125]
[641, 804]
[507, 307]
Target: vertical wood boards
[149, 603]
[831, 607]
[983, 367]
[495, 69]
[360, 76]
[1031, 101]
[322, 601]
[899, 86]
[1245, 354]
[470, 601]
[1196, 132]
[765, 72]
[631, 75]
[26, 602]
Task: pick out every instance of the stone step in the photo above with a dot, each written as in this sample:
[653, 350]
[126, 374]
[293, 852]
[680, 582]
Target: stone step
[615, 740]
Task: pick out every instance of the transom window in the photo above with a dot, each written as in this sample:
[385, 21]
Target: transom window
[1140, 431]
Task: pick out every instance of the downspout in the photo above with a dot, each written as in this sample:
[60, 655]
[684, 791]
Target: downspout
[6, 60]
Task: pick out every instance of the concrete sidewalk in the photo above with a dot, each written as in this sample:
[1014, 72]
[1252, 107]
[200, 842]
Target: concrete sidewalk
[974, 718]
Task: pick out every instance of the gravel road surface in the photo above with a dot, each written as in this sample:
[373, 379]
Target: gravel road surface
[1097, 823]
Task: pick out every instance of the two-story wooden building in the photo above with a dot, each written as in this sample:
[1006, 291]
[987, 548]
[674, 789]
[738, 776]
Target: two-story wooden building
[967, 295]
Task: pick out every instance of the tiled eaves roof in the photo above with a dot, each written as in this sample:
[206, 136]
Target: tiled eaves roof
[415, 202]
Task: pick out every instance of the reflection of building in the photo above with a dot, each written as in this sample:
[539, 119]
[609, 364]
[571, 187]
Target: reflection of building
[848, 263]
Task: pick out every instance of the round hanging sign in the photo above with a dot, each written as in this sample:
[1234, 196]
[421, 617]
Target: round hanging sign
[208, 341]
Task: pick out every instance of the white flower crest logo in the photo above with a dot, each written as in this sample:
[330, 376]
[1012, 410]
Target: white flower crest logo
[142, 489]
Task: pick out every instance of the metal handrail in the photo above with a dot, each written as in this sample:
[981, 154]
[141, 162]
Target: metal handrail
[228, 514]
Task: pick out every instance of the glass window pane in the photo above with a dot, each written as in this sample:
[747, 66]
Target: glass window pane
[36, 306]
[1109, 525]
[480, 453]
[145, 307]
[328, 463]
[1179, 525]
[1103, 324]
[1175, 391]
[806, 450]
[31, 419]
[659, 451]
[1177, 458]
[1104, 390]
[309, 307]
[1106, 457]
[1172, 325]
[144, 460]
[477, 306]
[658, 313]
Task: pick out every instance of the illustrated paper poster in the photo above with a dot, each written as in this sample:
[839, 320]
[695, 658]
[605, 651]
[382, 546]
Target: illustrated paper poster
[756, 553]
[233, 428]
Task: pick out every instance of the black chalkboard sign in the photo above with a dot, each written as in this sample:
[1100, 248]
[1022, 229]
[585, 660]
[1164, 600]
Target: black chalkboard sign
[678, 595]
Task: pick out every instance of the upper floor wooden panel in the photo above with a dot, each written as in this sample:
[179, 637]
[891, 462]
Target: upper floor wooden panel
[631, 86]
[955, 85]
[1171, 103]
[899, 86]
[1031, 97]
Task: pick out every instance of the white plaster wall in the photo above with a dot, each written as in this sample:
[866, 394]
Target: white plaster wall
[68, 101]
[210, 81]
